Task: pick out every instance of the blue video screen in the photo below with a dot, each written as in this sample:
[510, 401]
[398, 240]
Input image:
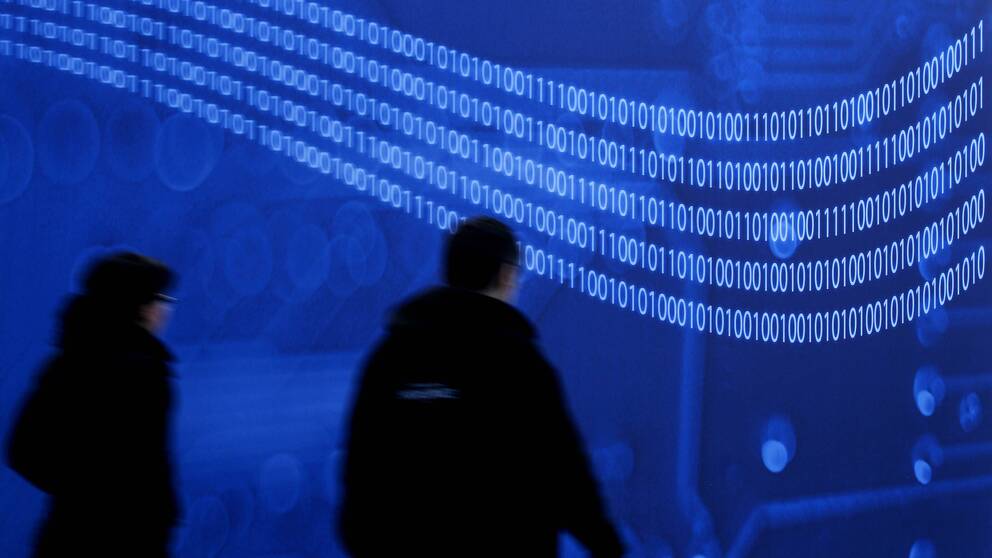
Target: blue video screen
[752, 241]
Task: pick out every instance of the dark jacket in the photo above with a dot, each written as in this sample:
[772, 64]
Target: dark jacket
[94, 435]
[460, 443]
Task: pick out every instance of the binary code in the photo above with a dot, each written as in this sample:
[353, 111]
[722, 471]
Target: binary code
[414, 145]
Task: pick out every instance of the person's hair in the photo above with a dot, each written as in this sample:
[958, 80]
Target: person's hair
[477, 251]
[123, 282]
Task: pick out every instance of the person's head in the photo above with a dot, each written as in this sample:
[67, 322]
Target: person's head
[482, 256]
[129, 287]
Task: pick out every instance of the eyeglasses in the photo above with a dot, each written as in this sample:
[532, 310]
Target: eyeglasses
[161, 297]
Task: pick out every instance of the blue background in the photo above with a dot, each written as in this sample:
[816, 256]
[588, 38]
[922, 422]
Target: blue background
[705, 445]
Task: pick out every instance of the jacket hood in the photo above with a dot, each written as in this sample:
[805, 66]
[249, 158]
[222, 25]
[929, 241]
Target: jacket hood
[460, 312]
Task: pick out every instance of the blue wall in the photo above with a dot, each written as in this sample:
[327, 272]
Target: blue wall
[753, 236]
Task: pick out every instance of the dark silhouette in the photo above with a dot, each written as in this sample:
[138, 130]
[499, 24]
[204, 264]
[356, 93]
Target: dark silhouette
[94, 432]
[460, 442]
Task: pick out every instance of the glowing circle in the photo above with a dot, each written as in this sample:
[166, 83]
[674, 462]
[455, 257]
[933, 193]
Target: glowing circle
[928, 390]
[131, 131]
[186, 151]
[346, 259]
[925, 402]
[670, 20]
[774, 456]
[565, 121]
[359, 240]
[356, 258]
[923, 548]
[16, 159]
[68, 142]
[308, 258]
[923, 471]
[280, 483]
[752, 76]
[778, 445]
[927, 457]
[298, 173]
[718, 19]
[248, 260]
[614, 462]
[666, 137]
[208, 525]
[783, 240]
[970, 412]
[931, 327]
[240, 504]
[785, 246]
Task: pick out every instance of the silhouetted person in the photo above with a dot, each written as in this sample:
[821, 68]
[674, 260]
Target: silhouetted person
[94, 432]
[460, 442]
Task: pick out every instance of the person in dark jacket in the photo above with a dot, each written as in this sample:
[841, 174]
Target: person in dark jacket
[94, 433]
[460, 442]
